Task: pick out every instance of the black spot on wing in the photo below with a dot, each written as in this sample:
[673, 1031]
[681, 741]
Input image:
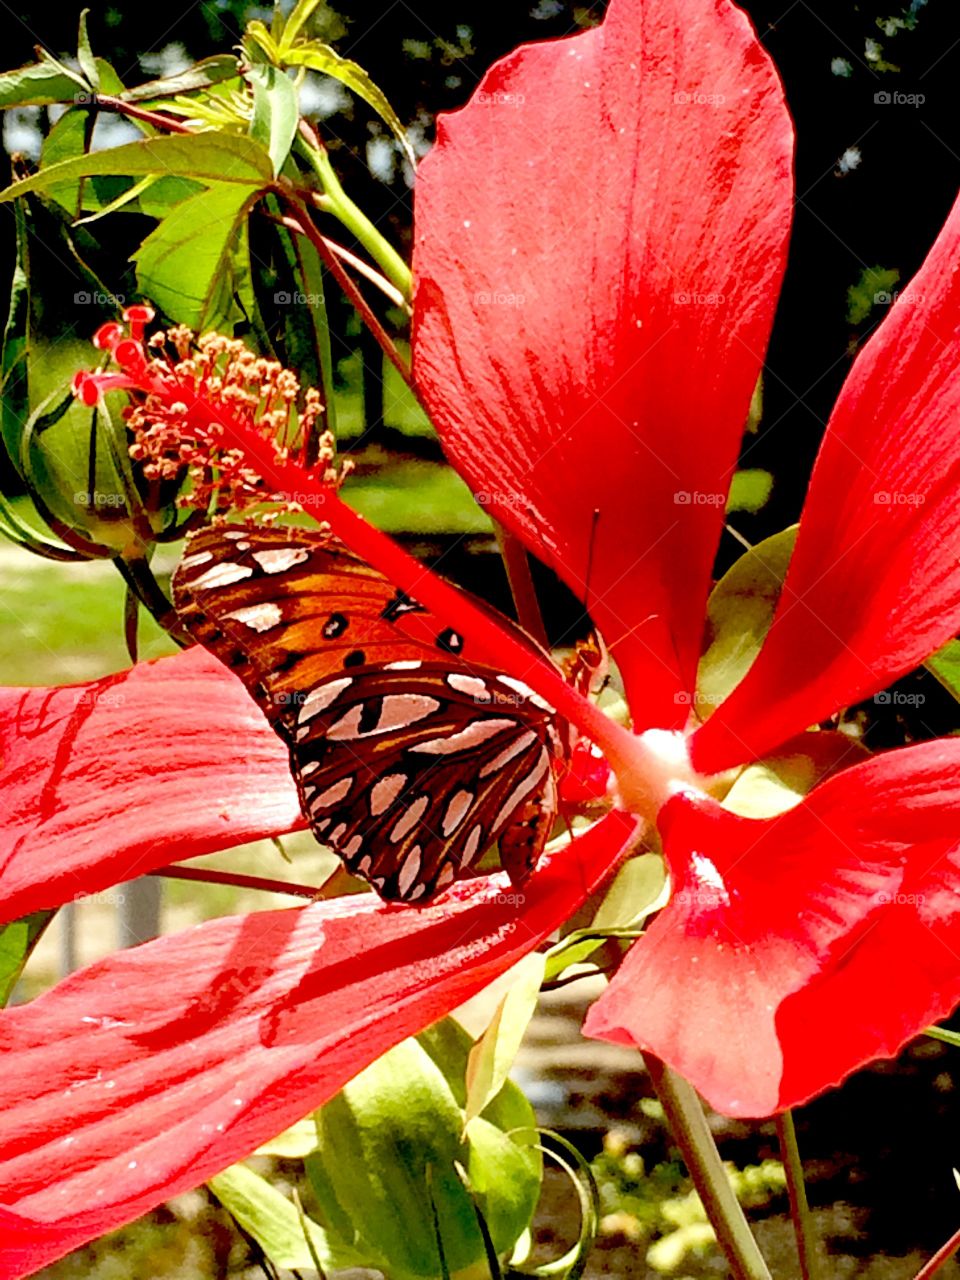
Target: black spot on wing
[450, 641]
[355, 659]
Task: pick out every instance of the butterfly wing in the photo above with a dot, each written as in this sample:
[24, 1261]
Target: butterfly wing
[410, 762]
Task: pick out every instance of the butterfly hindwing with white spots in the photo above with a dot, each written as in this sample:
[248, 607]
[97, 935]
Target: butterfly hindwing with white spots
[410, 760]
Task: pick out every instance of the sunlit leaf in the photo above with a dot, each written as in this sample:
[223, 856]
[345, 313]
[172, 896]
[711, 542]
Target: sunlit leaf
[276, 112]
[945, 665]
[493, 1055]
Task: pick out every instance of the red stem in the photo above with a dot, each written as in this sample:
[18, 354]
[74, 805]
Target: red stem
[139, 113]
[943, 1254]
[306, 228]
[206, 875]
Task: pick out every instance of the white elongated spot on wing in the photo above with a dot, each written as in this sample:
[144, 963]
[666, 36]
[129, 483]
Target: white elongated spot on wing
[352, 847]
[337, 834]
[445, 877]
[281, 559]
[322, 696]
[471, 685]
[310, 767]
[524, 689]
[333, 794]
[526, 784]
[406, 664]
[384, 792]
[198, 557]
[258, 617]
[456, 810]
[222, 575]
[506, 755]
[472, 847]
[409, 871]
[476, 733]
[407, 821]
[397, 711]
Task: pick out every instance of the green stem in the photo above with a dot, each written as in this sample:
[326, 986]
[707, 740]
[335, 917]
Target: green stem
[796, 1189]
[690, 1130]
[338, 203]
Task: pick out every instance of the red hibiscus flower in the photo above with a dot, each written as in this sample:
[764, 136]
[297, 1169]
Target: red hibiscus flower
[600, 236]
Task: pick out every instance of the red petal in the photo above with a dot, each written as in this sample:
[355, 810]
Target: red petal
[797, 949]
[103, 781]
[149, 1072]
[600, 237]
[874, 587]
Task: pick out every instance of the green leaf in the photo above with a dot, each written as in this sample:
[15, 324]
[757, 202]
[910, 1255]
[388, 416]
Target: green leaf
[273, 1221]
[194, 263]
[493, 1055]
[17, 940]
[777, 783]
[294, 1143]
[875, 287]
[202, 75]
[276, 112]
[320, 57]
[945, 665]
[750, 491]
[38, 85]
[211, 157]
[739, 613]
[88, 64]
[638, 890]
[301, 14]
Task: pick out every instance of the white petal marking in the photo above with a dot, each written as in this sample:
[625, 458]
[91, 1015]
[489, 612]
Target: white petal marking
[456, 810]
[525, 740]
[223, 575]
[407, 821]
[322, 696]
[384, 792]
[472, 846]
[281, 559]
[258, 617]
[519, 687]
[333, 794]
[409, 871]
[471, 685]
[477, 732]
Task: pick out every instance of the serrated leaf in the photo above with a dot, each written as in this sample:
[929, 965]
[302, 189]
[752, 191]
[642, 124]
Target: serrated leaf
[209, 157]
[276, 112]
[320, 57]
[194, 262]
[945, 665]
[493, 1055]
[739, 613]
[88, 64]
[273, 1221]
[38, 85]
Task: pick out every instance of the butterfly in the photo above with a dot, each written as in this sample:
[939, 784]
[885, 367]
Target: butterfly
[410, 760]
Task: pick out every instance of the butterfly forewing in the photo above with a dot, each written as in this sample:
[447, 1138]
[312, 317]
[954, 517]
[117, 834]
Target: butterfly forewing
[410, 761]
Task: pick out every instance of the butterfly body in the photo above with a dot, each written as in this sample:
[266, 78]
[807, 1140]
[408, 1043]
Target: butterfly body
[410, 760]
